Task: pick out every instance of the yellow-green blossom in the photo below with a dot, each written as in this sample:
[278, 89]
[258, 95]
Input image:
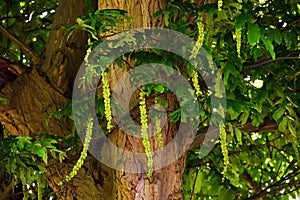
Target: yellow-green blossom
[83, 155]
[220, 4]
[196, 83]
[238, 38]
[144, 133]
[107, 107]
[224, 149]
[199, 41]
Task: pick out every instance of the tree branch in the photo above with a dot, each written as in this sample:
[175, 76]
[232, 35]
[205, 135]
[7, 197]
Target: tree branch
[267, 126]
[35, 58]
[269, 61]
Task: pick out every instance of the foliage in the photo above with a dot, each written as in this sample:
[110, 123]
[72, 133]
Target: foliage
[30, 21]
[256, 47]
[254, 44]
[25, 158]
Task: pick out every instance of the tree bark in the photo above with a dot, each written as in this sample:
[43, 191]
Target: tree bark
[167, 182]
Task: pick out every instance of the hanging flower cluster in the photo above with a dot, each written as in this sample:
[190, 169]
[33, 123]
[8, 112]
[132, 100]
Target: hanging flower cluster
[106, 95]
[88, 52]
[196, 84]
[144, 128]
[83, 155]
[39, 187]
[224, 149]
[220, 4]
[200, 39]
[238, 38]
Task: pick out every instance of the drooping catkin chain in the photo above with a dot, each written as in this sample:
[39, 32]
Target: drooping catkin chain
[200, 39]
[144, 132]
[224, 149]
[107, 107]
[83, 155]
[238, 38]
[220, 4]
[196, 84]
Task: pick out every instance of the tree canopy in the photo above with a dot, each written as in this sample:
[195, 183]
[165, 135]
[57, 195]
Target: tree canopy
[255, 46]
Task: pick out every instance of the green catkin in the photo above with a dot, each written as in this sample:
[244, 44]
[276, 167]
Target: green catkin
[238, 37]
[199, 41]
[144, 133]
[196, 84]
[220, 4]
[83, 155]
[39, 187]
[107, 107]
[224, 149]
[88, 52]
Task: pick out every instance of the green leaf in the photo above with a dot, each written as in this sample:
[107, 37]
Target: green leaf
[22, 140]
[159, 88]
[269, 46]
[3, 100]
[278, 113]
[262, 96]
[291, 111]
[241, 20]
[68, 26]
[156, 14]
[234, 109]
[80, 22]
[254, 33]
[276, 36]
[283, 124]
[166, 18]
[244, 116]
[292, 129]
[48, 142]
[229, 69]
[175, 116]
[39, 46]
[238, 135]
[41, 152]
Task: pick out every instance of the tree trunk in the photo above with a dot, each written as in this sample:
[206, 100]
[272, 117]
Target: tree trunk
[167, 182]
[46, 88]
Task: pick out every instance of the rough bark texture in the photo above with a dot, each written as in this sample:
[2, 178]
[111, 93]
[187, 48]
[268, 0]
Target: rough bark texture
[140, 11]
[34, 95]
[165, 183]
[30, 101]
[63, 57]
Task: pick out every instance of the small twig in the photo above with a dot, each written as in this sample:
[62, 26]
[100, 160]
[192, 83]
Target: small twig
[266, 69]
[35, 58]
[269, 61]
[194, 184]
